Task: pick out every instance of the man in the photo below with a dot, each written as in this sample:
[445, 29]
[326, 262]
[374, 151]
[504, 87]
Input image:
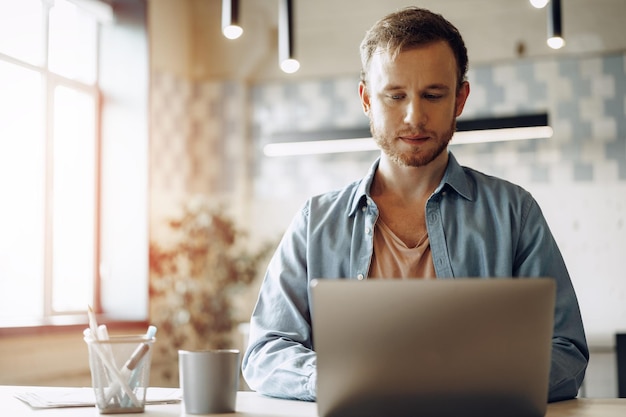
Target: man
[417, 214]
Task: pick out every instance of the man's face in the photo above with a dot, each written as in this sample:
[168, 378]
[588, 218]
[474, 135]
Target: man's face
[412, 102]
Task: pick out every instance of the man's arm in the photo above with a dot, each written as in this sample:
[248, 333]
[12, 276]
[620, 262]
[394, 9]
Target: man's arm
[539, 256]
[280, 360]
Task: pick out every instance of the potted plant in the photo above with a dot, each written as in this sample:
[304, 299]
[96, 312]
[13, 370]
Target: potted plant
[193, 281]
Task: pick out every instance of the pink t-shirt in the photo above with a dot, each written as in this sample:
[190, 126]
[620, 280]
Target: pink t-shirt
[393, 259]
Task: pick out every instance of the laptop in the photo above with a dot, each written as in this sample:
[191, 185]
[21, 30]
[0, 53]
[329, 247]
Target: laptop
[449, 347]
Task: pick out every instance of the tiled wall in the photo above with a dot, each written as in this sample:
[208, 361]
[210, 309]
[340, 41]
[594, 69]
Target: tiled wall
[208, 138]
[198, 144]
[583, 97]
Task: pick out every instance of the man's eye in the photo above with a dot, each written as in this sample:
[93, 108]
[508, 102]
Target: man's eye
[396, 96]
[433, 97]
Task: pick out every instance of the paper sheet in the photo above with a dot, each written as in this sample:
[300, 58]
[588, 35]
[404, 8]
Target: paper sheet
[63, 397]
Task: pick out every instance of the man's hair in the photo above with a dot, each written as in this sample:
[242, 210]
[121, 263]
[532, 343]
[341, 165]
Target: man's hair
[410, 28]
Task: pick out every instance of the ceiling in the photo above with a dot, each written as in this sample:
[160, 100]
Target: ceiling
[328, 33]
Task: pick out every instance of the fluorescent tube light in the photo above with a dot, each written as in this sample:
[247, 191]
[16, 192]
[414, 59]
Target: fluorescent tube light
[316, 147]
[468, 131]
[501, 135]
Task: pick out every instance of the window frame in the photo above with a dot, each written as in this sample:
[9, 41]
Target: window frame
[131, 16]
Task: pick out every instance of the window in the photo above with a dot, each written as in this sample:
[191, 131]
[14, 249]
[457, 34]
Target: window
[53, 110]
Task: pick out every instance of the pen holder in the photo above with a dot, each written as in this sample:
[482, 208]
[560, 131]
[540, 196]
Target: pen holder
[120, 372]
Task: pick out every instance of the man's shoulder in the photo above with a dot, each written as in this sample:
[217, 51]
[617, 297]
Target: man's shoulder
[483, 183]
[343, 196]
[336, 203]
[349, 195]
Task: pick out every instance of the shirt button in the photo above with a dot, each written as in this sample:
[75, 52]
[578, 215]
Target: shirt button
[360, 277]
[367, 230]
[363, 209]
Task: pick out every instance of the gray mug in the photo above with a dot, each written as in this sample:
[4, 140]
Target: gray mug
[209, 380]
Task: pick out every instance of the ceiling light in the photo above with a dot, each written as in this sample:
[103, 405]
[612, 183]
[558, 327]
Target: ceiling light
[555, 25]
[539, 4]
[285, 37]
[556, 42]
[290, 65]
[230, 19]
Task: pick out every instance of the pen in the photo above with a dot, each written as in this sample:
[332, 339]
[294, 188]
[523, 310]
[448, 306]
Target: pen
[126, 371]
[139, 353]
[103, 335]
[93, 323]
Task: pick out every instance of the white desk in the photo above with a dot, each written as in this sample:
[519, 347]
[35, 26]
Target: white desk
[251, 404]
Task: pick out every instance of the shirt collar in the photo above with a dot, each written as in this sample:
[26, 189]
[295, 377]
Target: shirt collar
[362, 192]
[454, 176]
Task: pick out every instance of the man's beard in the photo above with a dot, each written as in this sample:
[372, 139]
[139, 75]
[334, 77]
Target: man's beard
[416, 157]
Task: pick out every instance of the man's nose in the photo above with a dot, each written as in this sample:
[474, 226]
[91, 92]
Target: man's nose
[414, 113]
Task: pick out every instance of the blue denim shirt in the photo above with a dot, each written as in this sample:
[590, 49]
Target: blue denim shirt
[478, 226]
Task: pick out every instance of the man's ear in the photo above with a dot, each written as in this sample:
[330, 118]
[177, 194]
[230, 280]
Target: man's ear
[461, 97]
[365, 97]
